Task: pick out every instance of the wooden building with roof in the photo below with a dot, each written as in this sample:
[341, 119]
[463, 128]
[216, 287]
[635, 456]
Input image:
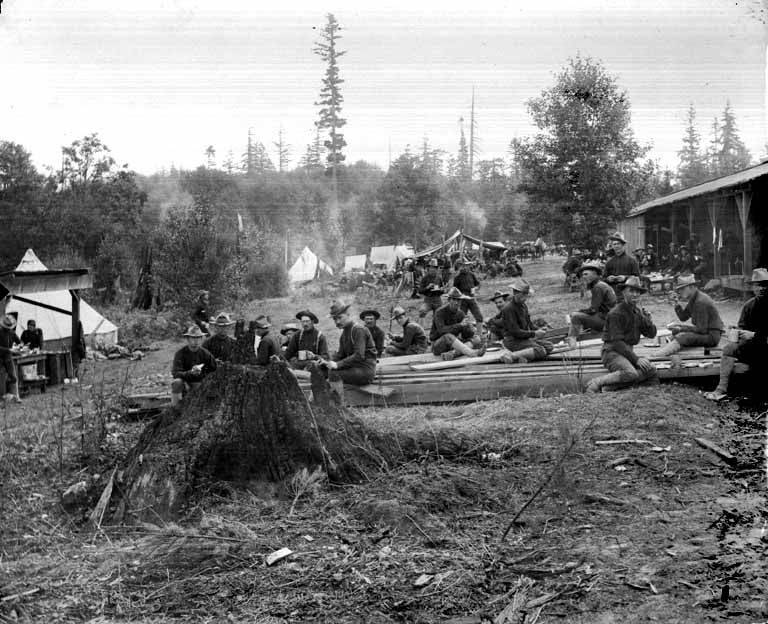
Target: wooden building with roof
[726, 216]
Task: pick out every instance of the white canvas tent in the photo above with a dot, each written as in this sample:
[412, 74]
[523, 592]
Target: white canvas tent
[57, 327]
[352, 263]
[388, 255]
[308, 267]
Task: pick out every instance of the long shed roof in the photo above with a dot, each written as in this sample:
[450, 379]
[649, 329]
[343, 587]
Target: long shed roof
[734, 179]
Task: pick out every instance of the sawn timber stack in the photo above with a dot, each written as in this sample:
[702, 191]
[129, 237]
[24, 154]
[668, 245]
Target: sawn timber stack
[397, 383]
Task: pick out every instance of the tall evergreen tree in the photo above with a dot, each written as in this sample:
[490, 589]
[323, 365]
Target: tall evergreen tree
[732, 154]
[692, 167]
[283, 151]
[462, 156]
[331, 99]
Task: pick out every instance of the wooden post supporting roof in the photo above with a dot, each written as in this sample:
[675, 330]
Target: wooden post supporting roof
[75, 346]
[743, 204]
[712, 208]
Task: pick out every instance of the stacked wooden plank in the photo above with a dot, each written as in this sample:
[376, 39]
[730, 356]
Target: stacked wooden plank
[427, 379]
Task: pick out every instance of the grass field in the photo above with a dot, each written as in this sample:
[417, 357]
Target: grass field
[652, 529]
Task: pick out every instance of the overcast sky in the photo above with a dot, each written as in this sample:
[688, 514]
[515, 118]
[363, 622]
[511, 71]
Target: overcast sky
[160, 80]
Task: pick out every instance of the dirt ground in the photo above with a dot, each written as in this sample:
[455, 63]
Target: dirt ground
[649, 527]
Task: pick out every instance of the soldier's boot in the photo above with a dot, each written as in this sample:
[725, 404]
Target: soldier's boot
[464, 349]
[609, 379]
[523, 356]
[672, 347]
[176, 398]
[726, 368]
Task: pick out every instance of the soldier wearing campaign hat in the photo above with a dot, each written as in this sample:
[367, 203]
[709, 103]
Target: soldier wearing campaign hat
[452, 332]
[413, 339]
[355, 361]
[269, 343]
[220, 344]
[522, 339]
[8, 338]
[750, 343]
[624, 325]
[621, 265]
[308, 344]
[369, 318]
[191, 364]
[602, 300]
[495, 324]
[707, 326]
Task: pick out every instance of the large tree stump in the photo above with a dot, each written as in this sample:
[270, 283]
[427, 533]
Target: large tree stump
[246, 424]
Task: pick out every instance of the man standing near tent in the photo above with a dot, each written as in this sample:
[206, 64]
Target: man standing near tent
[308, 344]
[413, 340]
[467, 283]
[748, 343]
[603, 299]
[220, 344]
[369, 318]
[525, 342]
[8, 338]
[190, 364]
[355, 361]
[452, 332]
[431, 287]
[621, 265]
[624, 325]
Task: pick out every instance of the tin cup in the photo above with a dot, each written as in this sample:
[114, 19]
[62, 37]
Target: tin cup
[732, 335]
[302, 355]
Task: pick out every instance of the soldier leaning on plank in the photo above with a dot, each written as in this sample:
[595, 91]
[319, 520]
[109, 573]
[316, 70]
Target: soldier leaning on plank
[369, 318]
[624, 325]
[308, 344]
[707, 326]
[603, 299]
[413, 340]
[751, 346]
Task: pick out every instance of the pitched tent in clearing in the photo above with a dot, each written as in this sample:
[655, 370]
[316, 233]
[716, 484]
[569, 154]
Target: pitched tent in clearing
[388, 255]
[352, 263]
[308, 267]
[57, 327]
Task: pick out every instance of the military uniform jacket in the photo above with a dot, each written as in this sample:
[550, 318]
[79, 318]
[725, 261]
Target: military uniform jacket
[413, 336]
[754, 317]
[356, 348]
[622, 265]
[516, 321]
[378, 336]
[307, 340]
[221, 346]
[702, 312]
[269, 345]
[603, 299]
[465, 281]
[185, 359]
[624, 325]
[445, 321]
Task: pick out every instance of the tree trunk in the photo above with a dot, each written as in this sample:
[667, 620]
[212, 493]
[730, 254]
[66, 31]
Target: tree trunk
[246, 424]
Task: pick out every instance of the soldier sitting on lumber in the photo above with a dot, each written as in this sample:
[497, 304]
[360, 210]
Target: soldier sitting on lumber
[308, 344]
[623, 327]
[751, 338]
[190, 364]
[495, 324]
[521, 338]
[452, 332]
[369, 318]
[413, 340]
[603, 299]
[355, 361]
[707, 328]
[220, 344]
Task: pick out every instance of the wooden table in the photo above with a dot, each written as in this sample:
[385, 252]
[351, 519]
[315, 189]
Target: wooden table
[31, 359]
